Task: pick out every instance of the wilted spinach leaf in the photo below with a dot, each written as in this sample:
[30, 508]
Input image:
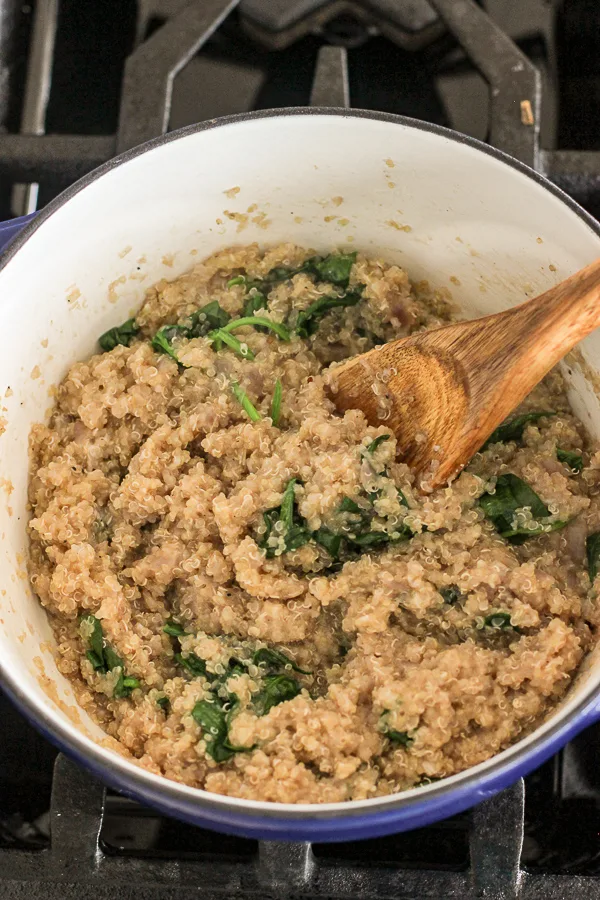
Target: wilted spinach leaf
[213, 720]
[219, 336]
[125, 685]
[397, 737]
[121, 334]
[287, 524]
[206, 319]
[359, 536]
[307, 322]
[592, 546]
[275, 689]
[573, 460]
[104, 659]
[194, 665]
[378, 440]
[513, 430]
[276, 403]
[164, 337]
[520, 535]
[265, 324]
[254, 302]
[334, 268]
[173, 628]
[329, 540]
[275, 659]
[498, 620]
[190, 662]
[95, 654]
[451, 594]
[243, 399]
[511, 494]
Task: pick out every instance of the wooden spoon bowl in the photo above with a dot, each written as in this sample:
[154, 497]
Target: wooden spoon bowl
[443, 392]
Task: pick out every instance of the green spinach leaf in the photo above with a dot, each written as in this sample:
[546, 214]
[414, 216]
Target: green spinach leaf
[330, 541]
[397, 737]
[206, 319]
[276, 403]
[194, 665]
[378, 440]
[213, 720]
[375, 539]
[359, 537]
[164, 337]
[308, 319]
[513, 430]
[334, 268]
[401, 738]
[573, 460]
[498, 620]
[286, 523]
[275, 659]
[104, 659]
[220, 336]
[511, 494]
[173, 628]
[95, 653]
[242, 397]
[125, 685]
[253, 321]
[275, 689]
[121, 334]
[112, 660]
[252, 305]
[592, 546]
[402, 499]
[202, 322]
[451, 594]
[164, 703]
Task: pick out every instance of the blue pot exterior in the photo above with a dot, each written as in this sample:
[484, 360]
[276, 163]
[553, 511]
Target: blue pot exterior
[438, 803]
[390, 815]
[11, 228]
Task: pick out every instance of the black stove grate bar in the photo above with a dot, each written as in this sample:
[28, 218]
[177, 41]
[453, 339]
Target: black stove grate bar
[152, 67]
[280, 23]
[496, 842]
[76, 858]
[511, 77]
[577, 172]
[63, 158]
[330, 84]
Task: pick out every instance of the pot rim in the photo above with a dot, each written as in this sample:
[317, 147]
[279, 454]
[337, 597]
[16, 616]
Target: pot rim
[107, 764]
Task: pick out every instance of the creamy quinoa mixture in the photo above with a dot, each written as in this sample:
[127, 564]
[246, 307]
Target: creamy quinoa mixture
[250, 594]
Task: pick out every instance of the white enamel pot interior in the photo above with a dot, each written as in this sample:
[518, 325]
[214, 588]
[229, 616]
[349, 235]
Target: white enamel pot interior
[449, 210]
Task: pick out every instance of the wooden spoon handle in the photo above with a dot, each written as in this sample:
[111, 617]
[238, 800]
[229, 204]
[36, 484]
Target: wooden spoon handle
[561, 317]
[447, 389]
[508, 353]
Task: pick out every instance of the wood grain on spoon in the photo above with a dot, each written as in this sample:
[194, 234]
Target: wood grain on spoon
[443, 392]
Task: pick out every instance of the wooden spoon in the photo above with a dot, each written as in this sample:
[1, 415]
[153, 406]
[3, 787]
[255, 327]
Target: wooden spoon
[443, 392]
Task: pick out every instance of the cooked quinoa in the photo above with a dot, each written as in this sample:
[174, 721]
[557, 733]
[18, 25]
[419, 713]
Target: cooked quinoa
[251, 594]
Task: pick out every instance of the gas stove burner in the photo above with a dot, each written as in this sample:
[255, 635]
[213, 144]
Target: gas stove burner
[412, 24]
